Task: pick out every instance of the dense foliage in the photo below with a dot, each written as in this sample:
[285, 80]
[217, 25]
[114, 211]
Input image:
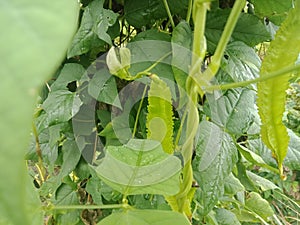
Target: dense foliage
[162, 112]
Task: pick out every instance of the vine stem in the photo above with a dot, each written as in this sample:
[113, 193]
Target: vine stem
[147, 71]
[213, 67]
[189, 11]
[182, 200]
[138, 112]
[266, 77]
[40, 165]
[72, 207]
[169, 13]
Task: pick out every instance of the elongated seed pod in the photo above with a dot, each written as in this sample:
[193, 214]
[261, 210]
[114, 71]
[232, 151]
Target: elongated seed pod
[283, 52]
[160, 114]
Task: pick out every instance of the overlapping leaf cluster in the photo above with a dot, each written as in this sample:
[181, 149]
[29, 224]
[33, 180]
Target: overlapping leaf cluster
[108, 133]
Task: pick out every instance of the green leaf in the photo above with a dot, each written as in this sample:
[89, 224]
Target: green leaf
[232, 185]
[274, 10]
[216, 155]
[292, 159]
[249, 29]
[244, 215]
[261, 182]
[66, 195]
[143, 12]
[152, 34]
[283, 52]
[92, 32]
[140, 167]
[244, 178]
[103, 88]
[293, 155]
[145, 217]
[225, 217]
[258, 205]
[234, 110]
[70, 72]
[241, 62]
[61, 106]
[30, 51]
[160, 114]
[71, 157]
[94, 188]
[255, 159]
[145, 55]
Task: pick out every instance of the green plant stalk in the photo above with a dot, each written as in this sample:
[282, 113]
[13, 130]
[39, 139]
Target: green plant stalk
[189, 11]
[40, 165]
[139, 112]
[216, 59]
[72, 207]
[199, 46]
[277, 73]
[147, 71]
[181, 202]
[195, 78]
[169, 13]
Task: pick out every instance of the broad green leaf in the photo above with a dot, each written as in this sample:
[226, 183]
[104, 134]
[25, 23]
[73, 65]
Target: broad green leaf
[66, 195]
[152, 34]
[293, 155]
[160, 114]
[261, 182]
[274, 10]
[249, 29]
[232, 185]
[144, 55]
[283, 52]
[292, 159]
[119, 130]
[245, 215]
[258, 205]
[241, 62]
[254, 158]
[140, 167]
[233, 110]
[61, 106]
[103, 88]
[70, 159]
[94, 188]
[70, 72]
[244, 178]
[216, 155]
[92, 32]
[225, 217]
[145, 217]
[142, 12]
[33, 42]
